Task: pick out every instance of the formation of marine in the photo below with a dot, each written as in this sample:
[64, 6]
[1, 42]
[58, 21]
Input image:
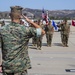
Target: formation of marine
[49, 29]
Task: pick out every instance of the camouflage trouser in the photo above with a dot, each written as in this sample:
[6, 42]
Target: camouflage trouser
[34, 41]
[20, 73]
[49, 38]
[64, 39]
[39, 42]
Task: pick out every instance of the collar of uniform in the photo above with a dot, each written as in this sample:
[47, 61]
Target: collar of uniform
[14, 24]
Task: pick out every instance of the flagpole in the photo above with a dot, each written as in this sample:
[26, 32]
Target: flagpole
[47, 13]
[47, 16]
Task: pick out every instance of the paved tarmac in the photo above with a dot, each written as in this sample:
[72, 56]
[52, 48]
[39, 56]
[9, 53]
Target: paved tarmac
[54, 60]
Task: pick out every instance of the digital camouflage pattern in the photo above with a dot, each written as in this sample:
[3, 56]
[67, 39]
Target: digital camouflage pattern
[49, 34]
[39, 40]
[15, 38]
[65, 30]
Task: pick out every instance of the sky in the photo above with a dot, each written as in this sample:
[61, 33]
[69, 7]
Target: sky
[38, 4]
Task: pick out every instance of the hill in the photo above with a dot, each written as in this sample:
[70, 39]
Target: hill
[36, 13]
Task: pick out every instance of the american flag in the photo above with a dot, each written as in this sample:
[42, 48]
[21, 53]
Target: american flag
[43, 14]
[47, 17]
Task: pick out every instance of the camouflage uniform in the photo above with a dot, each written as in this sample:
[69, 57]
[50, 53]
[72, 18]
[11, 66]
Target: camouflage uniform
[15, 47]
[49, 34]
[14, 41]
[34, 40]
[65, 33]
[65, 28]
[39, 41]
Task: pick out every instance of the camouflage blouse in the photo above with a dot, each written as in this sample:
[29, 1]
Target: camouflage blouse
[15, 38]
[65, 29]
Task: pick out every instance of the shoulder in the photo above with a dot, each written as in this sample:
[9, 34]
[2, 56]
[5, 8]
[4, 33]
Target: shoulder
[27, 29]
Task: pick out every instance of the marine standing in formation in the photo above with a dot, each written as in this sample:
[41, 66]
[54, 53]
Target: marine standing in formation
[65, 30]
[49, 33]
[39, 38]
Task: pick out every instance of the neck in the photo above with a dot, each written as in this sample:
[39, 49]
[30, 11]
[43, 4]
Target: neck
[16, 20]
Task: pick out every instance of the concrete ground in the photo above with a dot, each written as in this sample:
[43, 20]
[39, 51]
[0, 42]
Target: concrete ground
[54, 60]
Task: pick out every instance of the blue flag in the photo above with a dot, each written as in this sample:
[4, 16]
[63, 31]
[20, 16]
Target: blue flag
[54, 25]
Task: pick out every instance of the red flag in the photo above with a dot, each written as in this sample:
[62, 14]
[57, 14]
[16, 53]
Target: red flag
[73, 23]
[46, 18]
